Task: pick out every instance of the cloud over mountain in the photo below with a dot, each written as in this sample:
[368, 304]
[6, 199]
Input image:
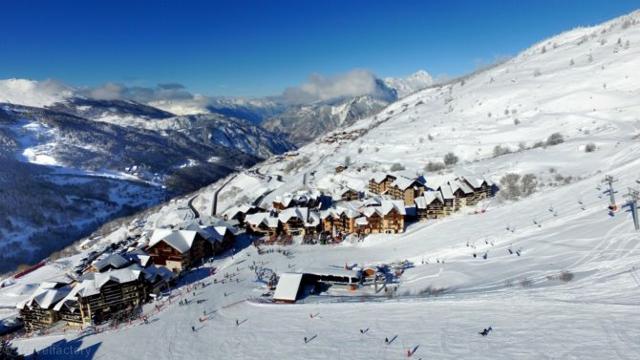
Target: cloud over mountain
[321, 88]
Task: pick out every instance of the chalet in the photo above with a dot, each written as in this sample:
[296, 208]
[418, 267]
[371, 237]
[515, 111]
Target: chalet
[264, 223]
[38, 312]
[430, 205]
[158, 278]
[385, 217]
[462, 192]
[441, 184]
[110, 262]
[299, 221]
[344, 193]
[239, 213]
[406, 189]
[379, 183]
[340, 168]
[102, 296]
[309, 199]
[340, 219]
[448, 199]
[178, 249]
[220, 237]
[482, 188]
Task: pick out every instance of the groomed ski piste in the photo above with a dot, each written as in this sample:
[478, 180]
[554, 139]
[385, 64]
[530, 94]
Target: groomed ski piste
[573, 292]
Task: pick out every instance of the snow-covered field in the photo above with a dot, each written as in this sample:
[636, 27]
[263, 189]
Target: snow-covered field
[571, 293]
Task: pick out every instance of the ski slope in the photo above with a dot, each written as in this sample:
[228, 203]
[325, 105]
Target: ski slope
[572, 293]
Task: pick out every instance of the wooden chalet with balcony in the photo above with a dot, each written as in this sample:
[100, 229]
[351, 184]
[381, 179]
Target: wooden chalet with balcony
[385, 217]
[339, 220]
[178, 250]
[299, 221]
[103, 296]
[406, 189]
[38, 312]
[263, 224]
[430, 205]
[379, 183]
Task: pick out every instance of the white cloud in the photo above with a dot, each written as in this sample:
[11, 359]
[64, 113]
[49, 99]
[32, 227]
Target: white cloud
[319, 88]
[33, 93]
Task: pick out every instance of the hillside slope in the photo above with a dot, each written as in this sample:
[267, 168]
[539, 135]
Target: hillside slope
[76, 164]
[560, 279]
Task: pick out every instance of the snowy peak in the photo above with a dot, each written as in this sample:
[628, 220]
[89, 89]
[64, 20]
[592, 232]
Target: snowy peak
[32, 92]
[410, 84]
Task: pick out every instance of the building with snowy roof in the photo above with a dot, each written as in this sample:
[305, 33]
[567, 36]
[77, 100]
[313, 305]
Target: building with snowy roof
[263, 223]
[110, 262]
[430, 205]
[380, 182]
[37, 312]
[239, 212]
[406, 189]
[299, 221]
[302, 198]
[101, 296]
[340, 219]
[388, 216]
[288, 288]
[178, 249]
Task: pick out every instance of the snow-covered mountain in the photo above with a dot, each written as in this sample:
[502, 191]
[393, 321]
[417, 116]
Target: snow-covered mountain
[553, 272]
[77, 163]
[559, 278]
[410, 84]
[304, 123]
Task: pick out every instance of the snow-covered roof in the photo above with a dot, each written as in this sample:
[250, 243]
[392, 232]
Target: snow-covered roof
[235, 210]
[347, 209]
[155, 273]
[446, 192]
[460, 185]
[56, 282]
[298, 197]
[45, 297]
[92, 284]
[380, 177]
[385, 207]
[404, 183]
[181, 240]
[338, 191]
[373, 201]
[210, 233]
[262, 218]
[476, 181]
[115, 261]
[332, 271]
[309, 218]
[288, 287]
[427, 198]
[362, 221]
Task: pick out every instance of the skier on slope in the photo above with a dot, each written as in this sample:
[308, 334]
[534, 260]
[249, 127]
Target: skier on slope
[485, 331]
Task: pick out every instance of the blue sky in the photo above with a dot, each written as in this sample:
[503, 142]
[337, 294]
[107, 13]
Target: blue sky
[255, 48]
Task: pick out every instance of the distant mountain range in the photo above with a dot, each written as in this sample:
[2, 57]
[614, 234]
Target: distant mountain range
[75, 163]
[71, 162]
[301, 123]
